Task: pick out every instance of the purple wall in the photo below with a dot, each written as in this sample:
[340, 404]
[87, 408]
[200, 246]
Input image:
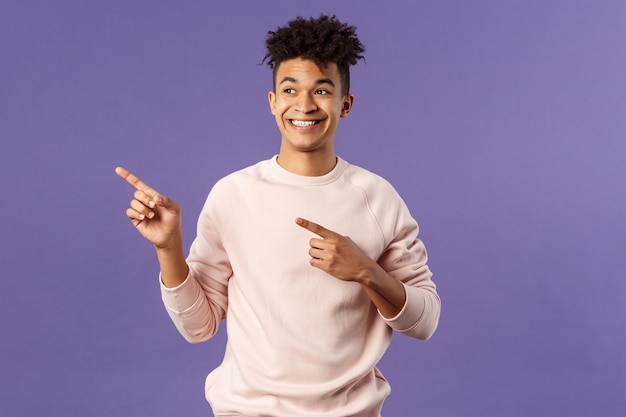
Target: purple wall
[502, 123]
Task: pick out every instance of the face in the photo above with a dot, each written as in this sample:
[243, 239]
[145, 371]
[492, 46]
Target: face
[307, 105]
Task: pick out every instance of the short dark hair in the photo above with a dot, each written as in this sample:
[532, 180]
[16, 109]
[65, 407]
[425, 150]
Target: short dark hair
[323, 40]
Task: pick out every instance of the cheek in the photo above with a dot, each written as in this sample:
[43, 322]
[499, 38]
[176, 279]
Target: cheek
[279, 109]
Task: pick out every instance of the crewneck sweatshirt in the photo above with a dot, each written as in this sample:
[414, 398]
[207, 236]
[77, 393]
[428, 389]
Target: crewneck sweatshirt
[300, 342]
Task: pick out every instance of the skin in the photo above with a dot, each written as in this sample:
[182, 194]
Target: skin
[308, 93]
[312, 95]
[158, 219]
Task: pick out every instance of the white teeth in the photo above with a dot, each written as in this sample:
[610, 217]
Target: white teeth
[303, 123]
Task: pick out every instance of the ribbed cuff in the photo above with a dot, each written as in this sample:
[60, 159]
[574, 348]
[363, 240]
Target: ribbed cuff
[410, 313]
[182, 297]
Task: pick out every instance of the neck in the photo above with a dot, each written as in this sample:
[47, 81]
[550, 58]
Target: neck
[310, 164]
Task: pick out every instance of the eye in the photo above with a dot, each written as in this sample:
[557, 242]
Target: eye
[322, 91]
[289, 90]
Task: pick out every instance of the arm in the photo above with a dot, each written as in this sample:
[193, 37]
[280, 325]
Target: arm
[340, 257]
[195, 307]
[158, 219]
[411, 309]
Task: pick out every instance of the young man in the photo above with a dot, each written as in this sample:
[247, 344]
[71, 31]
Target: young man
[311, 261]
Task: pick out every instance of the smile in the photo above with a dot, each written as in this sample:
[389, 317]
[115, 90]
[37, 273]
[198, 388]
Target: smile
[304, 123]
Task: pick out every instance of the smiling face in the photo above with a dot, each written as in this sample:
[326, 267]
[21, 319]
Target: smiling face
[307, 104]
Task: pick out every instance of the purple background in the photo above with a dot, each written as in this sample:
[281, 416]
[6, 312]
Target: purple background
[502, 124]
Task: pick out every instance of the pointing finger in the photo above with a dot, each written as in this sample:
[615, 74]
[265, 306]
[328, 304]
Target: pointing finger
[315, 228]
[134, 181]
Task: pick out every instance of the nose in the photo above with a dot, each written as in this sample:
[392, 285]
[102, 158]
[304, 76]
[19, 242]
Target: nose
[306, 104]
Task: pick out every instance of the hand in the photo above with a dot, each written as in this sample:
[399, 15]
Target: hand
[341, 257]
[155, 216]
[338, 255]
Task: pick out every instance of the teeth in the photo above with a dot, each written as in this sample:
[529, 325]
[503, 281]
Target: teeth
[303, 123]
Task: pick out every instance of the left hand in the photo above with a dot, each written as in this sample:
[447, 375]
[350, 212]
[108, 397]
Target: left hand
[337, 255]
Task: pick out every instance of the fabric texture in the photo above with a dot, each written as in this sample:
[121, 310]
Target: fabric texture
[300, 342]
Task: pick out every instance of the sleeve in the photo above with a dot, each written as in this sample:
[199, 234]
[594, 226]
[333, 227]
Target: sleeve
[405, 259]
[199, 304]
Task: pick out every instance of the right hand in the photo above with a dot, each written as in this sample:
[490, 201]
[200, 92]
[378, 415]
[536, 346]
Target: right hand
[155, 216]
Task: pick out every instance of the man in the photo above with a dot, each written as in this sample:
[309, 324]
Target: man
[311, 261]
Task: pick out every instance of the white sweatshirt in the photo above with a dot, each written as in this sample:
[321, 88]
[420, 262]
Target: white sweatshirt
[300, 342]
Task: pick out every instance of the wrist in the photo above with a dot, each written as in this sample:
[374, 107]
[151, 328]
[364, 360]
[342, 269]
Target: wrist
[173, 244]
[368, 276]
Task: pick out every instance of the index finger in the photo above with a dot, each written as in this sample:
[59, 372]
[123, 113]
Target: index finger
[315, 228]
[133, 180]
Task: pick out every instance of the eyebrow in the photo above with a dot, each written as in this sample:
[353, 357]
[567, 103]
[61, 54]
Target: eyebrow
[317, 82]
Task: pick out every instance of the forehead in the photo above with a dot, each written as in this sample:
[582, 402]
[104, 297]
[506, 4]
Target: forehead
[301, 70]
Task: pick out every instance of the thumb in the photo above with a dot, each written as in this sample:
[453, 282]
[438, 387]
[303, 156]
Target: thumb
[167, 203]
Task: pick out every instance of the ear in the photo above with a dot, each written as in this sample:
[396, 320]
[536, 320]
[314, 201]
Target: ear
[346, 106]
[271, 98]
